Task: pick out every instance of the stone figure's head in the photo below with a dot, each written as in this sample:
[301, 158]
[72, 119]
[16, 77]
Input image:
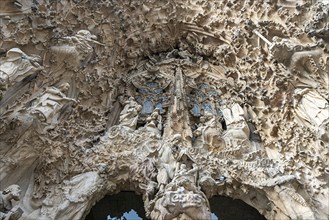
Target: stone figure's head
[203, 119]
[86, 35]
[15, 54]
[13, 191]
[183, 167]
[139, 108]
[209, 116]
[156, 112]
[64, 87]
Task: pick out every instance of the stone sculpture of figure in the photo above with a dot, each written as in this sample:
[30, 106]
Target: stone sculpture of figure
[154, 122]
[237, 127]
[182, 156]
[311, 108]
[166, 163]
[198, 132]
[208, 184]
[186, 177]
[50, 102]
[208, 133]
[76, 50]
[16, 66]
[163, 176]
[129, 114]
[7, 210]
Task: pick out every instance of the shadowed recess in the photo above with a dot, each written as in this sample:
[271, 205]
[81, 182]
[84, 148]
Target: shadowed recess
[124, 205]
[226, 208]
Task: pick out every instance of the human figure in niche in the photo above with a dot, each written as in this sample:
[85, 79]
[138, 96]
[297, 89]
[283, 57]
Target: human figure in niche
[208, 133]
[16, 66]
[7, 210]
[129, 104]
[238, 131]
[50, 102]
[166, 162]
[129, 114]
[187, 177]
[154, 122]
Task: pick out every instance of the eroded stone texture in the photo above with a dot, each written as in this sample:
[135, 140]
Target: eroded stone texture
[177, 101]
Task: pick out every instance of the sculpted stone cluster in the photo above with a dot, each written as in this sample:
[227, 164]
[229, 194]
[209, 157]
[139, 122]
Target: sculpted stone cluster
[178, 101]
[7, 210]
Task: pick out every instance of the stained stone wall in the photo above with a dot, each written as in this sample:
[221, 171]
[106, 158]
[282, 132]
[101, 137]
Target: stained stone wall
[177, 101]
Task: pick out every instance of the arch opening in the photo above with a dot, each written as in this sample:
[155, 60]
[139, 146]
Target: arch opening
[124, 205]
[225, 208]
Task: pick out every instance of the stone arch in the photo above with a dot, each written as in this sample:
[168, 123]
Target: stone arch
[117, 205]
[226, 208]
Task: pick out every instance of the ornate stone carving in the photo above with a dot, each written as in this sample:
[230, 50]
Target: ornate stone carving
[237, 132]
[311, 108]
[177, 101]
[50, 102]
[16, 66]
[7, 210]
[75, 50]
[129, 114]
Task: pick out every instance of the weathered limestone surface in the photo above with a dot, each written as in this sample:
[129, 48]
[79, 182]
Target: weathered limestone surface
[175, 100]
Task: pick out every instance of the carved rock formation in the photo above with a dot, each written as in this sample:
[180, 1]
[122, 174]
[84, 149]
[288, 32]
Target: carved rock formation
[177, 101]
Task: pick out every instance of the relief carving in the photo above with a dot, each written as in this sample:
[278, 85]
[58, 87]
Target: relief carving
[176, 101]
[129, 114]
[312, 108]
[17, 66]
[7, 210]
[49, 103]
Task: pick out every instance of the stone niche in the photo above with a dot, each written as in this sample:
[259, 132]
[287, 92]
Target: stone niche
[177, 102]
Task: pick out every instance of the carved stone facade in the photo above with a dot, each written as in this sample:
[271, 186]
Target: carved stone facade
[177, 101]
